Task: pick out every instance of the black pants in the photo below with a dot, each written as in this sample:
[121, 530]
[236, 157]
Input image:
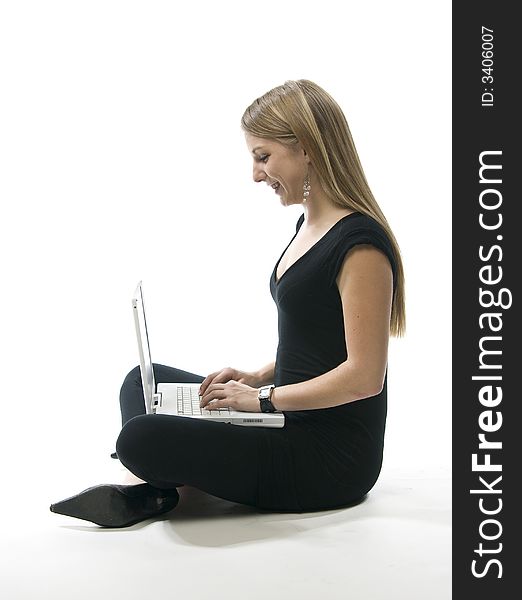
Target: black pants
[270, 468]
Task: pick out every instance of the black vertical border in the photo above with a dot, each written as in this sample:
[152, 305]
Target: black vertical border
[476, 129]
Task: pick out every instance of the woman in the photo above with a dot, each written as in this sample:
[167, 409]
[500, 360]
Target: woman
[339, 290]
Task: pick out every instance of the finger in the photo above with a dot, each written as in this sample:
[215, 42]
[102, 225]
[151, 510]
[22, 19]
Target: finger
[207, 381]
[217, 377]
[214, 390]
[213, 393]
[214, 387]
[212, 405]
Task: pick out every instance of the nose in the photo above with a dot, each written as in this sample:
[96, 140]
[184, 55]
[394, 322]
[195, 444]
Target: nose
[258, 173]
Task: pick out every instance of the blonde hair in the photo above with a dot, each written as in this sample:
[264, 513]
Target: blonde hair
[302, 112]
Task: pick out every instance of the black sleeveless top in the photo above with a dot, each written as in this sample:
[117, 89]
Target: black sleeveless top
[329, 456]
[310, 316]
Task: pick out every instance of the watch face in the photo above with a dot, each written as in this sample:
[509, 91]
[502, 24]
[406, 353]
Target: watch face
[264, 394]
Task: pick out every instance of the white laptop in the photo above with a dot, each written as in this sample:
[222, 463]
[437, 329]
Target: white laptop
[182, 399]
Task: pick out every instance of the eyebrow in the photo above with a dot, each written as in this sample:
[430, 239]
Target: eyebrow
[256, 148]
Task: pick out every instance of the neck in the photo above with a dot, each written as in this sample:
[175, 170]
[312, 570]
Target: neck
[320, 212]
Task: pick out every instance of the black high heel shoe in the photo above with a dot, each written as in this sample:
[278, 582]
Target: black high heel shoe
[114, 505]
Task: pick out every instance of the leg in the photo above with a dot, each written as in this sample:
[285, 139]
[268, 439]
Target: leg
[286, 469]
[281, 470]
[275, 469]
[218, 458]
[132, 402]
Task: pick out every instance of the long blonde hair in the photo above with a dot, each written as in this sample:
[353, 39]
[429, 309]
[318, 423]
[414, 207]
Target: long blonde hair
[302, 112]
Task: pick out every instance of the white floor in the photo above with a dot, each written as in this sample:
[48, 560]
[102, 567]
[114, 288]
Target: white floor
[395, 545]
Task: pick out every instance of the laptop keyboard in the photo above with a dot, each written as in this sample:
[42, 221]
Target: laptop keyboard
[188, 403]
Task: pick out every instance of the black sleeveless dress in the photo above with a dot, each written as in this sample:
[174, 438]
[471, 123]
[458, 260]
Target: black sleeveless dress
[322, 458]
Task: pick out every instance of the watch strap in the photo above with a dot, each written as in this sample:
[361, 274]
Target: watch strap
[265, 402]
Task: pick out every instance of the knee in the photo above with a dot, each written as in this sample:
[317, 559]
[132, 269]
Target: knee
[133, 439]
[132, 379]
[133, 374]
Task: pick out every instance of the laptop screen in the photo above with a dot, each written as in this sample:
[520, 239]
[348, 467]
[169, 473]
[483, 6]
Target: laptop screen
[147, 373]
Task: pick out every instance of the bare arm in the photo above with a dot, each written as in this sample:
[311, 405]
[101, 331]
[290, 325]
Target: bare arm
[365, 288]
[264, 376]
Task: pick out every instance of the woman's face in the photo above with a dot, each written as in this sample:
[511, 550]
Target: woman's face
[282, 167]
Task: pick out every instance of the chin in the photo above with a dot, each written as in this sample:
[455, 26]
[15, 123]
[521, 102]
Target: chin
[283, 199]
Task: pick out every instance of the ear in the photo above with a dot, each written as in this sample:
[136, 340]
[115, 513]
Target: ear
[300, 150]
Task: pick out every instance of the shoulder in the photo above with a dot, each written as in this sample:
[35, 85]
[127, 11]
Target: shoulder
[357, 222]
[361, 229]
[361, 235]
[365, 262]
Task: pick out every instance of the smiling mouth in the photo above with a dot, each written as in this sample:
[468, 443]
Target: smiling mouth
[276, 186]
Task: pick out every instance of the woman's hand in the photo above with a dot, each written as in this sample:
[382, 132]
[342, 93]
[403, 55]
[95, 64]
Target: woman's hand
[234, 395]
[230, 388]
[228, 374]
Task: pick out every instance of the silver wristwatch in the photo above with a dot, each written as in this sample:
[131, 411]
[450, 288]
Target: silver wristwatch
[264, 395]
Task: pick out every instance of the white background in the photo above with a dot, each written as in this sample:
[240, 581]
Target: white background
[122, 159]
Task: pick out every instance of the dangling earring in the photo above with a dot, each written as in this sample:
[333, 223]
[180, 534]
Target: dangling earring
[306, 188]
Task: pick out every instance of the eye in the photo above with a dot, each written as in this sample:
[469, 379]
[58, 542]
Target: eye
[262, 158]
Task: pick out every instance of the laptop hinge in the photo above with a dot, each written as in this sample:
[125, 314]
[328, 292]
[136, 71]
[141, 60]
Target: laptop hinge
[156, 401]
